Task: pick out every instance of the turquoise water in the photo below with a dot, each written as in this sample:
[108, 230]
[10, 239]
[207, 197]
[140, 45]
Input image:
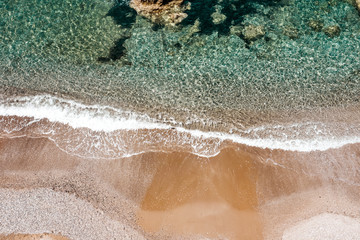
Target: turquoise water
[102, 52]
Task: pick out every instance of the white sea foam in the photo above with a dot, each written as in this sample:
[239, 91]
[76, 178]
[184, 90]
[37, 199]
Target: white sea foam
[285, 143]
[76, 115]
[305, 137]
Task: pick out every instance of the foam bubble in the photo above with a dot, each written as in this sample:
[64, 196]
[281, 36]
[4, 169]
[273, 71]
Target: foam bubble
[122, 133]
[76, 115]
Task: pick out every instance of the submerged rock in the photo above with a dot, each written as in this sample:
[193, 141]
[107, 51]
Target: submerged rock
[352, 2]
[253, 32]
[355, 3]
[316, 25]
[291, 32]
[217, 16]
[332, 31]
[168, 12]
[236, 30]
[192, 30]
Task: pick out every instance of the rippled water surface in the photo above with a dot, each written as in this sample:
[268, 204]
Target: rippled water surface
[101, 52]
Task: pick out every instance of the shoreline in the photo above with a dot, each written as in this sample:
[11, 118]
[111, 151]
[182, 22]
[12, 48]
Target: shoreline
[123, 134]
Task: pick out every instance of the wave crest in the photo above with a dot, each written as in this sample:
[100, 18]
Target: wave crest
[94, 131]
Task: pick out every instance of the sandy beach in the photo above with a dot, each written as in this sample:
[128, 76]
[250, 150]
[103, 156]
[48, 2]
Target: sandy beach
[44, 236]
[167, 196]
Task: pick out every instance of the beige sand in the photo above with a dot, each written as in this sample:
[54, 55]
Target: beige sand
[284, 213]
[239, 194]
[44, 236]
[325, 226]
[44, 210]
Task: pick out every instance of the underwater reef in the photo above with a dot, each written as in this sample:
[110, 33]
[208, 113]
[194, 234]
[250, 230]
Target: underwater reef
[169, 12]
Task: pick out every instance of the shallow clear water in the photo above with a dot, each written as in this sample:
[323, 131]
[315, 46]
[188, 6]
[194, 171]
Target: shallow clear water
[201, 74]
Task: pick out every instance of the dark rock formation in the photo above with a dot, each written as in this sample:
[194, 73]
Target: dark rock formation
[167, 12]
[332, 31]
[316, 25]
[253, 32]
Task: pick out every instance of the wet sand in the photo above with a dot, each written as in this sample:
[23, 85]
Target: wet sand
[242, 193]
[213, 197]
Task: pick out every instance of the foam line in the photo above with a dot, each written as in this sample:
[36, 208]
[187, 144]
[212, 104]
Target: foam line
[77, 115]
[109, 119]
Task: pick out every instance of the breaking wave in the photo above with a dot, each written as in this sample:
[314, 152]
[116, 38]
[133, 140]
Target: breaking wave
[95, 131]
